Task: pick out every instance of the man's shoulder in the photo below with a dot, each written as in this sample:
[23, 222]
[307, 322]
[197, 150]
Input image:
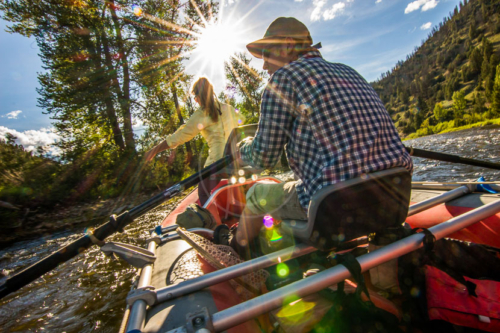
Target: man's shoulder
[304, 68]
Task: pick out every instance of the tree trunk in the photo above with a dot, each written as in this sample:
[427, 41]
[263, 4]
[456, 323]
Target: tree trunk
[125, 100]
[108, 102]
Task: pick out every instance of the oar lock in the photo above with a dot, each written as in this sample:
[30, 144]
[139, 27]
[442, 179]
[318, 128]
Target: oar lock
[134, 255]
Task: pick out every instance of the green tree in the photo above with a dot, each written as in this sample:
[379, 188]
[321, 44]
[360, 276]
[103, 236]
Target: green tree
[495, 100]
[246, 82]
[478, 104]
[487, 47]
[475, 60]
[459, 104]
[86, 57]
[440, 113]
[472, 30]
[485, 68]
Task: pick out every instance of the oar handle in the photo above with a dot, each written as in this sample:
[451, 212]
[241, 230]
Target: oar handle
[116, 223]
[433, 155]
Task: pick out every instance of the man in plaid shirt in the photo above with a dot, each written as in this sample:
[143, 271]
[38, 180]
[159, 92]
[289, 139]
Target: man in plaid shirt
[331, 121]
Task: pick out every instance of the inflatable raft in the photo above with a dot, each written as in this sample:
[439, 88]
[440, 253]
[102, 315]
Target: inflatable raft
[183, 292]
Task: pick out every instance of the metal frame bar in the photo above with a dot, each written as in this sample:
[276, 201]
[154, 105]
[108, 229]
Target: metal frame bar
[137, 316]
[442, 198]
[226, 274]
[255, 307]
[446, 186]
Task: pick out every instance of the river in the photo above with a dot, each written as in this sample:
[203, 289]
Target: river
[87, 293]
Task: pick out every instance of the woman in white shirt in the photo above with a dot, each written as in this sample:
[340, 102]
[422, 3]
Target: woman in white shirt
[213, 120]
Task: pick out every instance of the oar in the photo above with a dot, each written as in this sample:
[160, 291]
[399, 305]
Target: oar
[116, 223]
[434, 155]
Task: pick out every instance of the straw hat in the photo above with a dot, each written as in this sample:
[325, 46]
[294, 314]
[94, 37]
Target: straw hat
[277, 31]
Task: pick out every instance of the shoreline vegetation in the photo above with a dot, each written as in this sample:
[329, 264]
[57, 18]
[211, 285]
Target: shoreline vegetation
[486, 124]
[85, 214]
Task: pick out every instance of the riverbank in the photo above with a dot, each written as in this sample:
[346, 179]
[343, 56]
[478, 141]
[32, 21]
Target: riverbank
[37, 223]
[488, 124]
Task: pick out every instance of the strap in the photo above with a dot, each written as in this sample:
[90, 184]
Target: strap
[352, 264]
[429, 239]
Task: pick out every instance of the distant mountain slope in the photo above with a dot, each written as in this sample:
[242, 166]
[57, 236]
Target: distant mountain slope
[448, 81]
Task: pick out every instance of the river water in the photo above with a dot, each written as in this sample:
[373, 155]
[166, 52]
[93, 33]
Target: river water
[87, 293]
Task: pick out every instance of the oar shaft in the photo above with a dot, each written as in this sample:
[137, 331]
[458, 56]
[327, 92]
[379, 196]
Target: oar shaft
[47, 264]
[433, 155]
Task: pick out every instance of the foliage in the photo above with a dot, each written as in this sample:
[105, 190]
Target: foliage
[459, 104]
[108, 66]
[245, 84]
[439, 112]
[460, 55]
[495, 105]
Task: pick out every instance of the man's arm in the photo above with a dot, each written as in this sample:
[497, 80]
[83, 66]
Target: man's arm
[275, 124]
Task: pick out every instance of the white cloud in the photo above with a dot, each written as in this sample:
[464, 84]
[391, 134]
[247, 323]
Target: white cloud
[426, 26]
[13, 114]
[334, 11]
[425, 4]
[316, 13]
[32, 139]
[378, 1]
[429, 5]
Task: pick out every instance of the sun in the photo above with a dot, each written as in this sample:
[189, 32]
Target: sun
[217, 42]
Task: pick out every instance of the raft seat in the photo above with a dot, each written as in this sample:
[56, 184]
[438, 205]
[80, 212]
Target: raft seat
[355, 208]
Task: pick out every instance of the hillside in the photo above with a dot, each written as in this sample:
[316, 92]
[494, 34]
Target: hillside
[448, 81]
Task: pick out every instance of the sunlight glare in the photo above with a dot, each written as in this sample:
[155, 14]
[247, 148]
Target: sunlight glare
[217, 43]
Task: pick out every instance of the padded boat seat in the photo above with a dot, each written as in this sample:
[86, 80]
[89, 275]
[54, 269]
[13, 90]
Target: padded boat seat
[355, 208]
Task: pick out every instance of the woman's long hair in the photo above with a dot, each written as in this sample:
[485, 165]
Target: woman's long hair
[205, 92]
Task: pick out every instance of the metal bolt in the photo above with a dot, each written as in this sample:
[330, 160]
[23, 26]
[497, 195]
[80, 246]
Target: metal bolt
[198, 321]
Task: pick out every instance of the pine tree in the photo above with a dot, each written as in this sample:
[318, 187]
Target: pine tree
[495, 99]
[247, 82]
[440, 113]
[459, 104]
[472, 30]
[485, 68]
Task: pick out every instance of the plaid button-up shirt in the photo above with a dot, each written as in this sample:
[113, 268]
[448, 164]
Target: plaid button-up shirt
[333, 123]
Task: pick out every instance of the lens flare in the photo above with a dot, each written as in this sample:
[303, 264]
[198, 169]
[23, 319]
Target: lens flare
[276, 237]
[268, 221]
[282, 270]
[137, 10]
[295, 310]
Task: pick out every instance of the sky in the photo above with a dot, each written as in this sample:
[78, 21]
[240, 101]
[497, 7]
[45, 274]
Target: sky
[368, 35]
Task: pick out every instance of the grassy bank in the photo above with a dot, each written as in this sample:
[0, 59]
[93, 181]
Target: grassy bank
[448, 129]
